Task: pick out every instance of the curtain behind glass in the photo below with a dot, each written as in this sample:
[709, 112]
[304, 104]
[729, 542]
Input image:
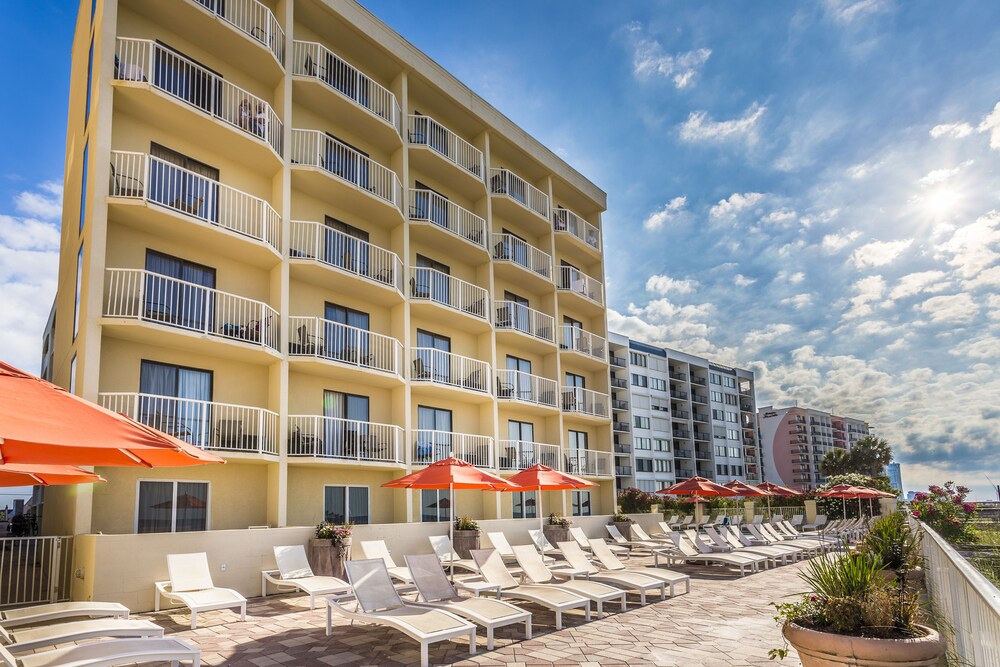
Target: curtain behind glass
[334, 405]
[194, 419]
[357, 504]
[158, 380]
[192, 506]
[334, 504]
[155, 507]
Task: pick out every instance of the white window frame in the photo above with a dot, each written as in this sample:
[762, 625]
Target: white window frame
[581, 496]
[523, 494]
[173, 517]
[347, 499]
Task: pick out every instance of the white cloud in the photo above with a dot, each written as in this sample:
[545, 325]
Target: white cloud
[991, 124]
[950, 308]
[728, 208]
[799, 301]
[971, 248]
[915, 283]
[952, 130]
[46, 204]
[741, 280]
[780, 217]
[849, 11]
[833, 243]
[879, 253]
[983, 347]
[864, 169]
[664, 215]
[867, 291]
[700, 128]
[649, 59]
[660, 284]
[941, 175]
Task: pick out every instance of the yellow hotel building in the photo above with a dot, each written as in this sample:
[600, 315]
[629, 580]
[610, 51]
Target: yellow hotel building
[291, 238]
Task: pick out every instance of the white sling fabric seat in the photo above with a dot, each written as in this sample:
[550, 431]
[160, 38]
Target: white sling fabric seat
[108, 653]
[43, 613]
[191, 585]
[295, 573]
[42, 636]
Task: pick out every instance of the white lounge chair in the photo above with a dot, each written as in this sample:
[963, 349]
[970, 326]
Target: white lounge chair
[610, 562]
[500, 543]
[817, 523]
[620, 540]
[536, 572]
[583, 541]
[689, 552]
[706, 548]
[765, 536]
[552, 597]
[672, 521]
[447, 555]
[735, 536]
[644, 537]
[43, 613]
[109, 652]
[632, 582]
[191, 585]
[378, 549]
[435, 591]
[379, 603]
[723, 540]
[44, 636]
[541, 542]
[294, 573]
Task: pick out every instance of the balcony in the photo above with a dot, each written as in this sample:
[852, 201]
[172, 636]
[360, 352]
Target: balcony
[430, 446]
[575, 282]
[684, 473]
[343, 440]
[699, 381]
[220, 427]
[621, 427]
[702, 436]
[438, 145]
[699, 398]
[678, 394]
[591, 346]
[520, 319]
[438, 367]
[682, 433]
[521, 455]
[317, 250]
[702, 455]
[701, 417]
[746, 407]
[683, 453]
[623, 471]
[331, 86]
[680, 377]
[618, 362]
[318, 157]
[623, 448]
[681, 415]
[584, 402]
[570, 225]
[619, 383]
[347, 348]
[510, 251]
[513, 195]
[164, 306]
[141, 184]
[433, 213]
[145, 72]
[617, 404]
[533, 390]
[588, 463]
[431, 286]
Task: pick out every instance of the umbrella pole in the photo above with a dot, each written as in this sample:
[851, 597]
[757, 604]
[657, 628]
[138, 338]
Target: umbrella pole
[861, 512]
[451, 527]
[541, 525]
[843, 502]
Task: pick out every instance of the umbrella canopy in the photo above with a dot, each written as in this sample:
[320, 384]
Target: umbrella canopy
[694, 499]
[43, 423]
[698, 486]
[746, 490]
[27, 474]
[841, 491]
[776, 490]
[543, 478]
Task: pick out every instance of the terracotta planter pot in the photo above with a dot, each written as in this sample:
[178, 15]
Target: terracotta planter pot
[555, 534]
[824, 649]
[624, 527]
[327, 560]
[465, 541]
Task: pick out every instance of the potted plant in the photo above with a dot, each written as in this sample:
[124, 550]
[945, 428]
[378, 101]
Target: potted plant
[853, 616]
[624, 524]
[466, 536]
[330, 549]
[891, 539]
[556, 529]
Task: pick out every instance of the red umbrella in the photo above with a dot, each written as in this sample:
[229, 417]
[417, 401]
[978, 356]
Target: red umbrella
[38, 474]
[694, 499]
[750, 491]
[544, 478]
[776, 490]
[843, 491]
[698, 486]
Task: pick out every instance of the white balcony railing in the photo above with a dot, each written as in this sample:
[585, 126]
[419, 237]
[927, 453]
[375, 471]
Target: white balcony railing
[333, 341]
[252, 18]
[584, 401]
[519, 386]
[425, 131]
[576, 339]
[509, 248]
[151, 297]
[567, 221]
[430, 446]
[428, 284]
[511, 315]
[204, 424]
[428, 206]
[578, 282]
[431, 365]
[316, 149]
[141, 176]
[588, 462]
[315, 60]
[316, 241]
[336, 438]
[506, 183]
[521, 455]
[146, 61]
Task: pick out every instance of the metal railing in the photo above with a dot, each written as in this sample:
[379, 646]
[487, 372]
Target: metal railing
[318, 149]
[146, 61]
[314, 60]
[567, 221]
[316, 241]
[521, 455]
[518, 317]
[35, 570]
[336, 438]
[429, 206]
[508, 184]
[509, 248]
[589, 462]
[333, 341]
[428, 284]
[519, 386]
[204, 424]
[430, 446]
[576, 339]
[578, 282]
[142, 176]
[425, 131]
[584, 401]
[151, 297]
[677, 393]
[432, 365]
[251, 18]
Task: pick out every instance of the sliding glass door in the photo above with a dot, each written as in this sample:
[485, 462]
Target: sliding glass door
[348, 427]
[176, 400]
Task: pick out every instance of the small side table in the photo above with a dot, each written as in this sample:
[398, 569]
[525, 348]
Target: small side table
[477, 587]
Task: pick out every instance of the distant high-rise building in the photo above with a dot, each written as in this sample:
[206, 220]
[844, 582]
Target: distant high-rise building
[895, 477]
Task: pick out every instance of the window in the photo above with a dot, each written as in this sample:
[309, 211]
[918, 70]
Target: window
[525, 505]
[346, 246]
[738, 470]
[732, 417]
[345, 504]
[182, 183]
[661, 444]
[433, 434]
[660, 406]
[663, 465]
[432, 358]
[735, 453]
[577, 457]
[171, 506]
[641, 422]
[176, 400]
[345, 334]
[716, 396]
[90, 79]
[644, 465]
[431, 281]
[718, 414]
[643, 443]
[435, 505]
[79, 286]
[581, 503]
[640, 380]
[572, 334]
[720, 450]
[345, 429]
[715, 378]
[732, 400]
[179, 292]
[72, 375]
[721, 469]
[729, 382]
[637, 359]
[520, 451]
[429, 204]
[649, 485]
[658, 384]
[732, 434]
[83, 184]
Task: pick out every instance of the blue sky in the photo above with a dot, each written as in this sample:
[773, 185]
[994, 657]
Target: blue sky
[814, 186]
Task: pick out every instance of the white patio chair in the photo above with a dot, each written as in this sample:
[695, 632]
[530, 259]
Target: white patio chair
[44, 636]
[294, 573]
[378, 549]
[191, 585]
[109, 652]
[43, 613]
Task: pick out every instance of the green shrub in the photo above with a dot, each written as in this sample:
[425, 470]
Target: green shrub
[892, 540]
[635, 501]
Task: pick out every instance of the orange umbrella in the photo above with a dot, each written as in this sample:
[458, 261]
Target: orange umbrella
[698, 486]
[27, 474]
[776, 490]
[43, 423]
[843, 491]
[544, 478]
[750, 491]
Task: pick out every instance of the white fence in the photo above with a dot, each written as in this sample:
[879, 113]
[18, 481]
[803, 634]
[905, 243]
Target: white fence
[578, 282]
[517, 316]
[506, 183]
[589, 462]
[520, 386]
[323, 339]
[584, 401]
[317, 149]
[433, 285]
[425, 131]
[35, 570]
[567, 221]
[337, 438]
[433, 365]
[430, 446]
[576, 339]
[252, 18]
[316, 241]
[145, 61]
[521, 455]
[428, 206]
[509, 248]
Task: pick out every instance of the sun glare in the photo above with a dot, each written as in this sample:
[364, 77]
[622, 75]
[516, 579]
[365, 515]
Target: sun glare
[941, 202]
